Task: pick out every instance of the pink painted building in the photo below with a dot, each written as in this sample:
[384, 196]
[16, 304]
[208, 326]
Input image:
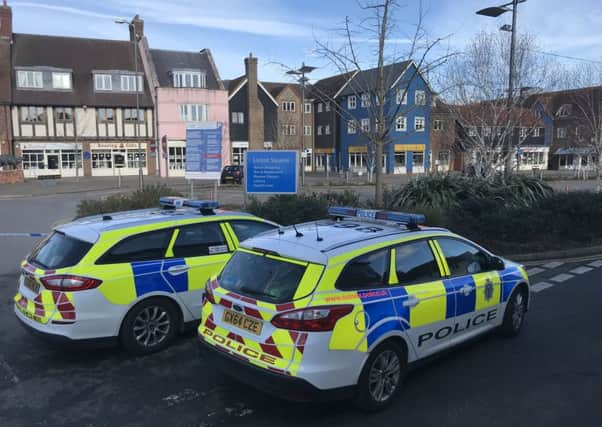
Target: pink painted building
[188, 92]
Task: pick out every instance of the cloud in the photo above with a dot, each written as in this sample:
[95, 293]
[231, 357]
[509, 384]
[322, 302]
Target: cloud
[65, 9]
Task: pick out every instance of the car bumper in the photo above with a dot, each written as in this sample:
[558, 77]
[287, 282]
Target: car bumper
[60, 334]
[283, 386]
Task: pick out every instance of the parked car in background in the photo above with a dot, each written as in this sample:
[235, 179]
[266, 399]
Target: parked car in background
[232, 173]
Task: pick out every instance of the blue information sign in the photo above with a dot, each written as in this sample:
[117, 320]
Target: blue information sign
[204, 151]
[271, 172]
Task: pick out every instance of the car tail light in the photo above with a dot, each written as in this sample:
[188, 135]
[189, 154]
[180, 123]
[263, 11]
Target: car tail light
[237, 173]
[68, 282]
[209, 292]
[315, 319]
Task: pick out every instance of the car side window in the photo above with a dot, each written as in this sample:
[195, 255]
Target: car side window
[246, 229]
[415, 263]
[199, 240]
[463, 258]
[366, 271]
[141, 247]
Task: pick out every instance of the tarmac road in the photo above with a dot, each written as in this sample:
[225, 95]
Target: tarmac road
[551, 375]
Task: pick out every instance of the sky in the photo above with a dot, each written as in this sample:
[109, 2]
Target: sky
[284, 33]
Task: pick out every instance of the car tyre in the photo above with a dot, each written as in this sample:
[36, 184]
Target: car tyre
[514, 316]
[381, 378]
[150, 326]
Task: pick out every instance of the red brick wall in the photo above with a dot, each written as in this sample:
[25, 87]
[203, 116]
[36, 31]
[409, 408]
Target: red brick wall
[11, 176]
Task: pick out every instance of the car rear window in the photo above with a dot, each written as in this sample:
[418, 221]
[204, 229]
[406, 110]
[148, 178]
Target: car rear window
[59, 251]
[261, 277]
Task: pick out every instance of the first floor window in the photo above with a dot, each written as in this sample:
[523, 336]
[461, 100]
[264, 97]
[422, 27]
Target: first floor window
[443, 157]
[400, 159]
[365, 100]
[106, 115]
[238, 155]
[307, 130]
[561, 132]
[33, 159]
[193, 112]
[320, 130]
[307, 107]
[177, 158]
[351, 127]
[401, 123]
[418, 158]
[289, 130]
[136, 158]
[351, 102]
[35, 115]
[129, 115]
[63, 115]
[327, 130]
[438, 124]
[419, 124]
[327, 106]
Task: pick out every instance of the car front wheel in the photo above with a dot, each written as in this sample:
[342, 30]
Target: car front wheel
[382, 377]
[150, 326]
[515, 313]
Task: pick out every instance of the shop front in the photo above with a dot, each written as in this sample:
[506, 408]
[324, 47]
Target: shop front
[49, 159]
[238, 152]
[409, 158]
[531, 158]
[324, 159]
[117, 158]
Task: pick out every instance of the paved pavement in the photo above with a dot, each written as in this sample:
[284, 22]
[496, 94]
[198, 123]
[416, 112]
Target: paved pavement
[549, 376]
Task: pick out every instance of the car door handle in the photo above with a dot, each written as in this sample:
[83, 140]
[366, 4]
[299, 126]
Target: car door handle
[177, 269]
[466, 290]
[411, 301]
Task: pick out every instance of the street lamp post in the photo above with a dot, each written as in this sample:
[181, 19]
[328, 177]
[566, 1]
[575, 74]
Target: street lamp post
[301, 72]
[136, 122]
[494, 12]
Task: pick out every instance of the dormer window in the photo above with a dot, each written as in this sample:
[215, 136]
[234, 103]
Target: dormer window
[189, 79]
[564, 110]
[29, 79]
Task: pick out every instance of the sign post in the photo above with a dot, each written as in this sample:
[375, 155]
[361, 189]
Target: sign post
[203, 152]
[271, 172]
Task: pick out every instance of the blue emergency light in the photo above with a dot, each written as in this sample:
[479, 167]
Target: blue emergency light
[171, 202]
[202, 204]
[409, 219]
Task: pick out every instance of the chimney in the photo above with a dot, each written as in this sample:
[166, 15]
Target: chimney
[254, 107]
[6, 22]
[137, 28]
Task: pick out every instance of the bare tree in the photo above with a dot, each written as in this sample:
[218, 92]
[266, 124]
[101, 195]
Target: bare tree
[476, 90]
[584, 104]
[377, 43]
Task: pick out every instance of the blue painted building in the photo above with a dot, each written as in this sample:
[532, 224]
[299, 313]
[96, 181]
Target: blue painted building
[407, 113]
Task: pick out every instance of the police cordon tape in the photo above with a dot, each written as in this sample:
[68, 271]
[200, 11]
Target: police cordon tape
[23, 234]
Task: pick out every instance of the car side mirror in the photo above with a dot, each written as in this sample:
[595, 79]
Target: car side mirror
[496, 263]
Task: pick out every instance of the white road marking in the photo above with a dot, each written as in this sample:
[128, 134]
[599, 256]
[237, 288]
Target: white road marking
[580, 270]
[596, 264]
[561, 278]
[540, 286]
[9, 374]
[553, 264]
[535, 270]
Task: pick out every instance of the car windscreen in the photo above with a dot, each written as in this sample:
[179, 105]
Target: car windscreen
[261, 277]
[59, 251]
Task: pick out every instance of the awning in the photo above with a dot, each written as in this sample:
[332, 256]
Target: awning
[579, 151]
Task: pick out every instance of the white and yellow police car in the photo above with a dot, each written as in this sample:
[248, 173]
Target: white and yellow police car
[342, 306]
[136, 276]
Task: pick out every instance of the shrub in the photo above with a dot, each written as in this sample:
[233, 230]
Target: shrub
[147, 197]
[449, 191]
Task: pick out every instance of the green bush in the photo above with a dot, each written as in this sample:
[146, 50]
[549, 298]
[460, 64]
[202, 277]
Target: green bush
[558, 221]
[446, 191]
[147, 197]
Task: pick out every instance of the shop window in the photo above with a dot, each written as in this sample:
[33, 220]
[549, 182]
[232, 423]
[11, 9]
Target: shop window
[135, 157]
[33, 159]
[418, 158]
[400, 159]
[177, 158]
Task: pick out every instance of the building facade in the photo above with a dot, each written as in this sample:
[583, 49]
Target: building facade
[73, 104]
[407, 110]
[188, 92]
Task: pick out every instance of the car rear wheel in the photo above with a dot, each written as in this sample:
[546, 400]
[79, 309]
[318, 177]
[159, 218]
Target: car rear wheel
[514, 316]
[150, 326]
[382, 377]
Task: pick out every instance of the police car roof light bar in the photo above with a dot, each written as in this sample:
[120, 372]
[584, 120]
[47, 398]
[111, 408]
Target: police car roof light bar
[206, 207]
[171, 202]
[409, 219]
